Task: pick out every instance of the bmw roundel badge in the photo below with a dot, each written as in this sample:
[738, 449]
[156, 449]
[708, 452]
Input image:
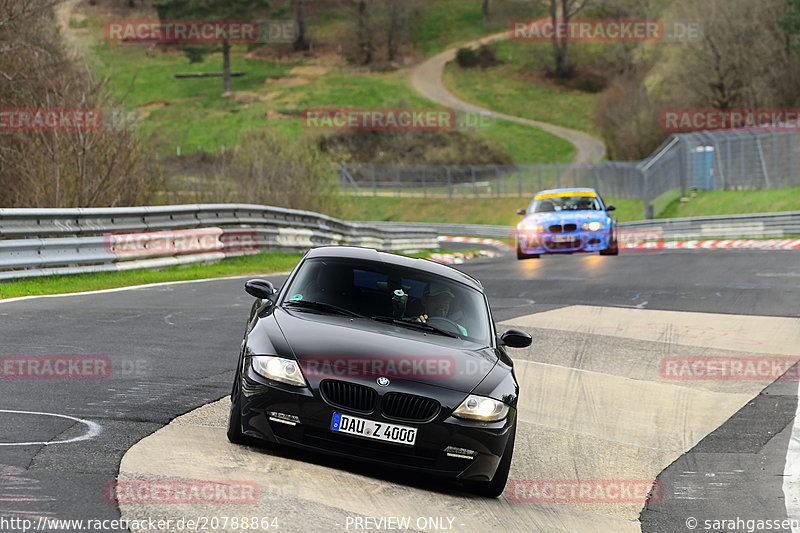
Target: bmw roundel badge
[383, 382]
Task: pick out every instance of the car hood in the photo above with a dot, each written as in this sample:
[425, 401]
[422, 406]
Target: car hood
[571, 217]
[338, 347]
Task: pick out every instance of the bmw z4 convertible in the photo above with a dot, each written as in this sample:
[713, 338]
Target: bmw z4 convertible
[380, 358]
[566, 221]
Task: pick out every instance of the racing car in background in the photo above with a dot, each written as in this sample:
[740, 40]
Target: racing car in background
[566, 221]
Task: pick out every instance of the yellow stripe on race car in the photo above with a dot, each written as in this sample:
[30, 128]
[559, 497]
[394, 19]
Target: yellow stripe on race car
[565, 194]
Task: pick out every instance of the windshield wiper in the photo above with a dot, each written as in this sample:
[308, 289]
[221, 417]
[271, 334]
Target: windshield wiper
[321, 306]
[415, 325]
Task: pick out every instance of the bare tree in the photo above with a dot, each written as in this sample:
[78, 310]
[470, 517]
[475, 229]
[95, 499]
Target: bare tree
[742, 60]
[561, 12]
[107, 166]
[300, 42]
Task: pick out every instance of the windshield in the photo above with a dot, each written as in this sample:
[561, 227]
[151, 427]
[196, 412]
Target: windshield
[553, 204]
[373, 290]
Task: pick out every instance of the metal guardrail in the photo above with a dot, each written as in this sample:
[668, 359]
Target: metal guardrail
[760, 225]
[40, 242]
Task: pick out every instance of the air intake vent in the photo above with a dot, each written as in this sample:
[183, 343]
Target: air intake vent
[409, 407]
[348, 395]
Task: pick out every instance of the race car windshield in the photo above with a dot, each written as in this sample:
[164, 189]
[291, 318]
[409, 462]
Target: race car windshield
[381, 291]
[565, 203]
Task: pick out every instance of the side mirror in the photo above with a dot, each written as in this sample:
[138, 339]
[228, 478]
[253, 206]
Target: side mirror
[515, 338]
[260, 288]
[522, 211]
[610, 208]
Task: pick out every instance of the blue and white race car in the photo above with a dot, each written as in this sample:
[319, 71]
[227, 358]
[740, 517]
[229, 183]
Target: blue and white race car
[566, 221]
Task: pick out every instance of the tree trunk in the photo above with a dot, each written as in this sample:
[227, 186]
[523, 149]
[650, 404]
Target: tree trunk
[364, 37]
[300, 44]
[226, 67]
[485, 10]
[392, 32]
[561, 69]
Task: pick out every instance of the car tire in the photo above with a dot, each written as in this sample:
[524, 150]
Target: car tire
[235, 434]
[497, 485]
[613, 248]
[522, 256]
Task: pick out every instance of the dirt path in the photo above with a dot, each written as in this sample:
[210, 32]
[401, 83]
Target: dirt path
[427, 80]
[75, 44]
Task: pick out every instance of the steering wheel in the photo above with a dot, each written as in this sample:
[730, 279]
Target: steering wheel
[448, 324]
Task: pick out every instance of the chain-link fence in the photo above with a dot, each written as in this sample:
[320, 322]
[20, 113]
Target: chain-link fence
[719, 160]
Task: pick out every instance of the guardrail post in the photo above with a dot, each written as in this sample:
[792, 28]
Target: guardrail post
[474, 185]
[540, 176]
[791, 158]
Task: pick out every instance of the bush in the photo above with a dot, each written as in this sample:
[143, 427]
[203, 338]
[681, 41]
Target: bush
[104, 167]
[466, 58]
[269, 170]
[485, 56]
[413, 148]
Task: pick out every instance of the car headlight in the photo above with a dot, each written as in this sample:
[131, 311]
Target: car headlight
[531, 228]
[279, 369]
[593, 226]
[481, 408]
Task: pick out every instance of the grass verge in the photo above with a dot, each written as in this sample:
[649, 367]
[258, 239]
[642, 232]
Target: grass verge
[734, 202]
[493, 211]
[263, 263]
[514, 88]
[256, 265]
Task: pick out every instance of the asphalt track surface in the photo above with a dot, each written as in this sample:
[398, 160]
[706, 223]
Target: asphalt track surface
[595, 408]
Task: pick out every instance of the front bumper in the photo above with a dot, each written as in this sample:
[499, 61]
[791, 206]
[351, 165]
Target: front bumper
[553, 243]
[259, 397]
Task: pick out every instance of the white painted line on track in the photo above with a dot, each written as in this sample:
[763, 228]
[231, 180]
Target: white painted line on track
[93, 429]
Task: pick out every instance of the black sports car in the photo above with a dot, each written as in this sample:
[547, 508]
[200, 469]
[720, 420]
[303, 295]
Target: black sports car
[382, 358]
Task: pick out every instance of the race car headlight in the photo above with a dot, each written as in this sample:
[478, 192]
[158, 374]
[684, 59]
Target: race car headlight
[593, 226]
[481, 408]
[531, 228]
[279, 369]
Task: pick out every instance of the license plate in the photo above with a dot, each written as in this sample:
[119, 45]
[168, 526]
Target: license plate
[373, 430]
[562, 238]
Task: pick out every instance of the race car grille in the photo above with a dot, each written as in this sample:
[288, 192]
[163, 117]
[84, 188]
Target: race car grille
[409, 407]
[348, 395]
[566, 228]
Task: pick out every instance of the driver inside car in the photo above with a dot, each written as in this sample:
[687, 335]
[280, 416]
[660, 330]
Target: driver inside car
[436, 300]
